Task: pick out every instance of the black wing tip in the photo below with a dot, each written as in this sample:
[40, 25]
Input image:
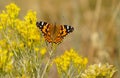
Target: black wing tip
[69, 28]
[41, 24]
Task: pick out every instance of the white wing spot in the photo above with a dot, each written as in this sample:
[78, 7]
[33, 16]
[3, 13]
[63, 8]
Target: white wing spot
[68, 27]
[42, 23]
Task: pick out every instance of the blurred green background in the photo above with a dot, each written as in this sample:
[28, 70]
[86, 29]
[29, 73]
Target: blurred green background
[96, 23]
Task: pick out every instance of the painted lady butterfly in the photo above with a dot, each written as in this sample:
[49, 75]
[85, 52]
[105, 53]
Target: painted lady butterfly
[54, 33]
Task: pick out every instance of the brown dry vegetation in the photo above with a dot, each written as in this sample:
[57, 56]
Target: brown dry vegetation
[96, 23]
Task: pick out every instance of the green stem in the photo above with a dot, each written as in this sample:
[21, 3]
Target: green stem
[48, 62]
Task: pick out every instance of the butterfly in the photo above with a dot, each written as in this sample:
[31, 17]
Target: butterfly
[54, 33]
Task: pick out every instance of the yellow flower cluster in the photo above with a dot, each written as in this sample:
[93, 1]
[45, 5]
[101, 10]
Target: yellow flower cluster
[3, 20]
[42, 51]
[19, 32]
[99, 71]
[12, 10]
[28, 28]
[7, 18]
[6, 57]
[17, 37]
[6, 61]
[70, 59]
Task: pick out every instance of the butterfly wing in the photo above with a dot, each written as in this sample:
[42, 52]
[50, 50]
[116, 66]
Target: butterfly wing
[64, 30]
[54, 34]
[45, 28]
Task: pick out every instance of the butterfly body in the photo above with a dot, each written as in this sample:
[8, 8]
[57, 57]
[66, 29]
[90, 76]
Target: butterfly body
[54, 33]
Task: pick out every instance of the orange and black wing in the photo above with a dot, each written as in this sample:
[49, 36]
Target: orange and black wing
[64, 30]
[45, 28]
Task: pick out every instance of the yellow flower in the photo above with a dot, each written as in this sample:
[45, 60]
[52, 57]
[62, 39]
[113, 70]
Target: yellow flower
[43, 51]
[9, 67]
[1, 27]
[36, 49]
[85, 61]
[29, 43]
[3, 19]
[23, 76]
[68, 59]
[99, 70]
[3, 56]
[13, 44]
[21, 45]
[6, 61]
[27, 28]
[31, 17]
[12, 10]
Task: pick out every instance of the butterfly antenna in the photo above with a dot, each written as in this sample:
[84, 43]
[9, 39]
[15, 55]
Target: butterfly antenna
[63, 19]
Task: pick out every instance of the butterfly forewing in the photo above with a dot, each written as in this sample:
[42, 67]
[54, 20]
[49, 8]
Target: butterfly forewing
[53, 33]
[45, 28]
